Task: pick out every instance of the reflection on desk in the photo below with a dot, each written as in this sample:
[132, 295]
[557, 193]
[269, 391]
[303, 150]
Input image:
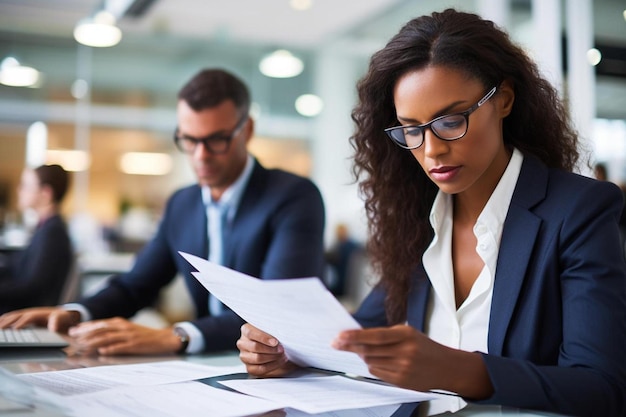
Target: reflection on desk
[52, 360]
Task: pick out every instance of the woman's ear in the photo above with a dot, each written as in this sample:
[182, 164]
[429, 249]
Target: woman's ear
[505, 98]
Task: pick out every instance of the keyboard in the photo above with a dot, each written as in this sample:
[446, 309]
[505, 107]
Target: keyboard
[30, 337]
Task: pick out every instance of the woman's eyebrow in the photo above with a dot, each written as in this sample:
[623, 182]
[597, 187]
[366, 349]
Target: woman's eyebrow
[441, 112]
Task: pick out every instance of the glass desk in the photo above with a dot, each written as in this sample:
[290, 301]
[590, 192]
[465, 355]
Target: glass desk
[42, 360]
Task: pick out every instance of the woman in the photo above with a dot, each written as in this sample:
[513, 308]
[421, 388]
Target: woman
[501, 273]
[37, 275]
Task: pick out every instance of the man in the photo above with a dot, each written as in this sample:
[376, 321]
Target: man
[264, 223]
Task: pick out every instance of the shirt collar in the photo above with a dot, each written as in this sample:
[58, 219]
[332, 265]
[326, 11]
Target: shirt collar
[498, 204]
[232, 195]
[494, 213]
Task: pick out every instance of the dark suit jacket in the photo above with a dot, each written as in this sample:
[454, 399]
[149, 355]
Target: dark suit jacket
[36, 275]
[557, 330]
[277, 232]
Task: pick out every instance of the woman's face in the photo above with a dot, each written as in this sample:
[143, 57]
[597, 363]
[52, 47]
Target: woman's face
[473, 163]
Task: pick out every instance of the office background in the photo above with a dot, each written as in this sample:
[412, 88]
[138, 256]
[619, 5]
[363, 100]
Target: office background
[108, 102]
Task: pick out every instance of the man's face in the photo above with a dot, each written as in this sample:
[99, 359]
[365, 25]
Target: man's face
[30, 192]
[216, 170]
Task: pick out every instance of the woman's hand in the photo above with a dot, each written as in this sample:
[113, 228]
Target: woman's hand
[403, 356]
[262, 354]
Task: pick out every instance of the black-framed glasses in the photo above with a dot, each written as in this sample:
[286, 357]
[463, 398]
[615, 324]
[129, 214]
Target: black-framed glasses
[216, 143]
[447, 127]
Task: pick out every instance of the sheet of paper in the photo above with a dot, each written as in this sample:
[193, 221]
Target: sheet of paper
[98, 378]
[326, 393]
[189, 399]
[301, 313]
[381, 411]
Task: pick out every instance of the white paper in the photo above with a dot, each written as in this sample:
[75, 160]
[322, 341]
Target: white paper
[327, 393]
[98, 378]
[301, 313]
[381, 411]
[188, 399]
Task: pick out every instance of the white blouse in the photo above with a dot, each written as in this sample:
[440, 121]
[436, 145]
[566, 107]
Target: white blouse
[467, 327]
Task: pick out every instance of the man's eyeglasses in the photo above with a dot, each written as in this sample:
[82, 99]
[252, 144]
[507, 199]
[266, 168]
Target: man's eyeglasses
[447, 127]
[216, 143]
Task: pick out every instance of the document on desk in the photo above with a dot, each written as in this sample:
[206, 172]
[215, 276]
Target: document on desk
[99, 378]
[301, 313]
[189, 399]
[322, 394]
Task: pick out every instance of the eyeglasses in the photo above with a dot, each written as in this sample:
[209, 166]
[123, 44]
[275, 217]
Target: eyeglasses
[447, 127]
[216, 143]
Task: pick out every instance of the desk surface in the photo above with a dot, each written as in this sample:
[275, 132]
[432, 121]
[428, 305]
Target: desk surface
[43, 360]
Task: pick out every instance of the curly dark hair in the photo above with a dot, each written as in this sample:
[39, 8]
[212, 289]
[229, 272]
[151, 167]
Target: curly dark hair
[398, 194]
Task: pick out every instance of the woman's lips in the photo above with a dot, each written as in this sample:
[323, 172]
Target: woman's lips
[444, 173]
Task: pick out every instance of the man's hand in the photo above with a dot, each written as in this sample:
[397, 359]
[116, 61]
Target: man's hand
[118, 336]
[262, 354]
[55, 318]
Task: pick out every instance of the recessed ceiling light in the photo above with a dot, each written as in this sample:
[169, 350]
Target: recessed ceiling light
[99, 31]
[13, 74]
[594, 56]
[301, 5]
[281, 64]
[309, 105]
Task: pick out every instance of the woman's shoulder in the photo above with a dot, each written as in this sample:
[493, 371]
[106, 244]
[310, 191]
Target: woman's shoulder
[558, 191]
[561, 183]
[571, 183]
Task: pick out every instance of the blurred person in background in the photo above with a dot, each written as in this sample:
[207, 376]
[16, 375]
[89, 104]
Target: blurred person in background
[341, 258]
[266, 223]
[36, 275]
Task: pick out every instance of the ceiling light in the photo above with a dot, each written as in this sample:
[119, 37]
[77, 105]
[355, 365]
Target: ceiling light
[309, 105]
[594, 56]
[80, 89]
[145, 163]
[13, 74]
[70, 160]
[301, 5]
[99, 31]
[281, 64]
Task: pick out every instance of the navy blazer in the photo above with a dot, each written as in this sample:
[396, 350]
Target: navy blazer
[277, 232]
[36, 276]
[557, 329]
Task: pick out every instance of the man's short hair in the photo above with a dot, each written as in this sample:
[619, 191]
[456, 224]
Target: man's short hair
[55, 177]
[211, 87]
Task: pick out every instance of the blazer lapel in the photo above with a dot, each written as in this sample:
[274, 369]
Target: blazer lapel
[245, 212]
[518, 239]
[418, 299]
[197, 233]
